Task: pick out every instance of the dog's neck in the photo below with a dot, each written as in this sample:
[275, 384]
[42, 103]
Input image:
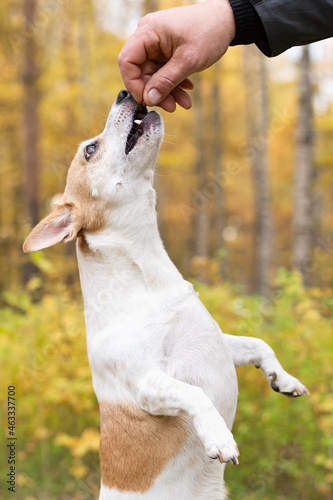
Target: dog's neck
[123, 261]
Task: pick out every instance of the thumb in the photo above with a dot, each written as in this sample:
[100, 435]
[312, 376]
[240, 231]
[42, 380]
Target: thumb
[164, 81]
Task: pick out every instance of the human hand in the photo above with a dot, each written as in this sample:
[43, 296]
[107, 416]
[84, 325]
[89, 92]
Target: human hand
[169, 46]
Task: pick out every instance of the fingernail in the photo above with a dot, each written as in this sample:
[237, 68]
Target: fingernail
[154, 97]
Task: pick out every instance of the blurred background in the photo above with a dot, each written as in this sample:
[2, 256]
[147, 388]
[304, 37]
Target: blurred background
[244, 183]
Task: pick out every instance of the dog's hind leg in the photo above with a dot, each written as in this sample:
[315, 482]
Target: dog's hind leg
[253, 351]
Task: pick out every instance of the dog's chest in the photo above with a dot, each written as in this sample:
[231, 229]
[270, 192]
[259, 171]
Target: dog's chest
[123, 352]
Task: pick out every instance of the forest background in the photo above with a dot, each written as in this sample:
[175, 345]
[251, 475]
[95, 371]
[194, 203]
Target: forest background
[244, 183]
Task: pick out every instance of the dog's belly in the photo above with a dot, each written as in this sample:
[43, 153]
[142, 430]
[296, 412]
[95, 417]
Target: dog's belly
[197, 354]
[146, 457]
[135, 446]
[170, 485]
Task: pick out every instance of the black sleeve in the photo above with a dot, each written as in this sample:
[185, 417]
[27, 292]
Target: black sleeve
[249, 28]
[285, 23]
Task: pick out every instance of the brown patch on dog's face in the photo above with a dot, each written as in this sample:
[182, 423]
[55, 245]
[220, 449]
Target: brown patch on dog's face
[79, 192]
[82, 244]
[135, 446]
[78, 211]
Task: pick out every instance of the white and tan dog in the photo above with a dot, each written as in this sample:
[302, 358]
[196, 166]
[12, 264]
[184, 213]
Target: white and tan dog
[163, 372]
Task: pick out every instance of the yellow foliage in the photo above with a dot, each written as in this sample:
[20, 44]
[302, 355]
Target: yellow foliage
[24, 480]
[79, 445]
[79, 470]
[207, 268]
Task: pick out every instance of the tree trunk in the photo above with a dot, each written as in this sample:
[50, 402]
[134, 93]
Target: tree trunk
[257, 121]
[30, 188]
[150, 6]
[217, 151]
[200, 200]
[84, 12]
[302, 221]
[30, 119]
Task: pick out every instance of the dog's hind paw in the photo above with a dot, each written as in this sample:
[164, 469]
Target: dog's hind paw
[286, 384]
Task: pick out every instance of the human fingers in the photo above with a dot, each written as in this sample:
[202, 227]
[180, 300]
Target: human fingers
[149, 67]
[168, 104]
[186, 84]
[182, 98]
[141, 47]
[178, 96]
[165, 80]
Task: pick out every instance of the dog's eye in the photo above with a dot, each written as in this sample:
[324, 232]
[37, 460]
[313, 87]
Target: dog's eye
[90, 150]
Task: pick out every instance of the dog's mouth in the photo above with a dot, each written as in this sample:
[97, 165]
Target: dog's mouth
[137, 128]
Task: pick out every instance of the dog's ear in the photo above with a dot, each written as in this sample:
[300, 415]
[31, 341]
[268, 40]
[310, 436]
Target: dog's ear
[59, 226]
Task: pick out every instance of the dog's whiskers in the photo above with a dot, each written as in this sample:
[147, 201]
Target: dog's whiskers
[169, 142]
[171, 135]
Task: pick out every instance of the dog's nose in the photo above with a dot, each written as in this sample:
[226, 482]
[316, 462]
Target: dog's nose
[122, 95]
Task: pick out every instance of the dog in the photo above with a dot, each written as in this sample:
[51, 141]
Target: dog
[162, 370]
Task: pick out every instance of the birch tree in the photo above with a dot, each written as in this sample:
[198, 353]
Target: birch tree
[304, 168]
[201, 233]
[217, 156]
[31, 119]
[257, 131]
[31, 100]
[150, 6]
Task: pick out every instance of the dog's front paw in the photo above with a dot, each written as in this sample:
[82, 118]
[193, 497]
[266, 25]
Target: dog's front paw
[287, 385]
[218, 441]
[224, 452]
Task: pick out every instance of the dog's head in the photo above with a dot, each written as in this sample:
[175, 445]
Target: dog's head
[112, 171]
